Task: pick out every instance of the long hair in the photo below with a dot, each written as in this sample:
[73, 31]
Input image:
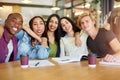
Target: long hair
[31, 22]
[74, 27]
[31, 26]
[114, 21]
[57, 32]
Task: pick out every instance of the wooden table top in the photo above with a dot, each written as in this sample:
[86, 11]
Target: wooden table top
[68, 71]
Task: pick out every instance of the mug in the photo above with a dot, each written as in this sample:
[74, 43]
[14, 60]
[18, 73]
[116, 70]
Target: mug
[24, 58]
[92, 60]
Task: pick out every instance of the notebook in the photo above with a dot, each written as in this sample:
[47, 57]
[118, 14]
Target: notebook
[109, 63]
[67, 59]
[40, 63]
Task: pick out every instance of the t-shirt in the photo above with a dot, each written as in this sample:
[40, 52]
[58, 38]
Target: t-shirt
[53, 49]
[100, 45]
[10, 50]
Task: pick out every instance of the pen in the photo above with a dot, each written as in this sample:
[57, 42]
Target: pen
[37, 63]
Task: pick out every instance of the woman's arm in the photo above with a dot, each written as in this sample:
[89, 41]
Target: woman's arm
[30, 32]
[62, 51]
[44, 42]
[43, 50]
[1, 30]
[106, 26]
[77, 39]
[27, 29]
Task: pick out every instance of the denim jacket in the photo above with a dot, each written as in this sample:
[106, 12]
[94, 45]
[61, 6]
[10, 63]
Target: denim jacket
[24, 46]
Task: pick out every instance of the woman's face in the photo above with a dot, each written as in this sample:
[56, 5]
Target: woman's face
[38, 26]
[53, 24]
[66, 25]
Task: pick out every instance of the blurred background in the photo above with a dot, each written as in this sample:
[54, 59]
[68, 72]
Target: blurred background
[70, 8]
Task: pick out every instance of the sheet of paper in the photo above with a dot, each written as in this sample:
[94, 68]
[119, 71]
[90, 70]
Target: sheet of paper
[65, 59]
[40, 63]
[109, 63]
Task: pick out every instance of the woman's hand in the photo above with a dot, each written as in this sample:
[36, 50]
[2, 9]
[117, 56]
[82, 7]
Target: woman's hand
[44, 42]
[77, 39]
[78, 42]
[106, 26]
[34, 42]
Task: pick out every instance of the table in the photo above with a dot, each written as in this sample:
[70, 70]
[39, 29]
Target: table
[68, 71]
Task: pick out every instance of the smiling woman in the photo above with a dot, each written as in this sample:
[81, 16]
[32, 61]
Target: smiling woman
[32, 46]
[53, 35]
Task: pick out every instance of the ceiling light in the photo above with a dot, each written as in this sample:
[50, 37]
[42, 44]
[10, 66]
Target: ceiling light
[26, 1]
[55, 8]
[78, 13]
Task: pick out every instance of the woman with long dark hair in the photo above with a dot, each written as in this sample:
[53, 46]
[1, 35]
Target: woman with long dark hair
[67, 41]
[32, 46]
[53, 35]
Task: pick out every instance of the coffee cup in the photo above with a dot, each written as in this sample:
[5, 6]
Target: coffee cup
[92, 60]
[24, 58]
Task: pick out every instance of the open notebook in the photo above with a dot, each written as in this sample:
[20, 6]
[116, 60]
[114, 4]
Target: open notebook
[109, 63]
[68, 59]
[40, 63]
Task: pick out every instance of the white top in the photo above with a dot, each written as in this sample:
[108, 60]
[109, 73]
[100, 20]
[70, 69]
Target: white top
[10, 49]
[68, 48]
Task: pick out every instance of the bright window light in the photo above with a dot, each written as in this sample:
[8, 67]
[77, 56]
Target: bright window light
[55, 8]
[26, 1]
[78, 13]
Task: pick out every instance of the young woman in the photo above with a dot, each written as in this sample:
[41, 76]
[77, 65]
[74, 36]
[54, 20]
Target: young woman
[30, 45]
[67, 42]
[53, 35]
[100, 41]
